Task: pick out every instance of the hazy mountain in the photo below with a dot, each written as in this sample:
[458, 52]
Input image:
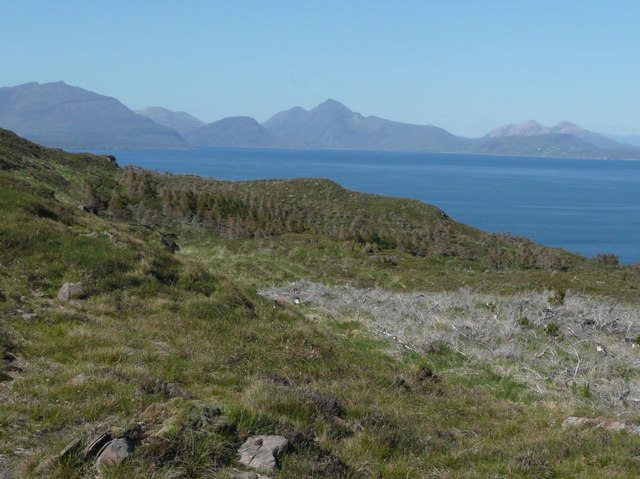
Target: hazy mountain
[549, 144]
[526, 128]
[57, 114]
[596, 139]
[237, 131]
[279, 122]
[533, 128]
[633, 140]
[333, 125]
[179, 121]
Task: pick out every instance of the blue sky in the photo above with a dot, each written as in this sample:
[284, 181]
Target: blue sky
[466, 66]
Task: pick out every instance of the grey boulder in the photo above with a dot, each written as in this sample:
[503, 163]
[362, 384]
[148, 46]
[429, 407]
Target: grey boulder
[262, 452]
[72, 291]
[115, 452]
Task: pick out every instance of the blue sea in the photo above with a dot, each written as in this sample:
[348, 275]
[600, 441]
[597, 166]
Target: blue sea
[586, 206]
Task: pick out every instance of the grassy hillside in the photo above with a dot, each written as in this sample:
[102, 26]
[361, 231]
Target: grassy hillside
[188, 354]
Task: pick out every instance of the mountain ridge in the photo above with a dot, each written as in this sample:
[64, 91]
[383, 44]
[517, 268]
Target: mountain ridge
[180, 121]
[57, 114]
[61, 115]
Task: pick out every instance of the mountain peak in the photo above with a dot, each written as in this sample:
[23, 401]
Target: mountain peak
[333, 105]
[526, 128]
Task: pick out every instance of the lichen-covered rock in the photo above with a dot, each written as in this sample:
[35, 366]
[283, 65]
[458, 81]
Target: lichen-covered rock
[262, 452]
[72, 291]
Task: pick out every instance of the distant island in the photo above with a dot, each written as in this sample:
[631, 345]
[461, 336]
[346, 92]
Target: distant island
[60, 115]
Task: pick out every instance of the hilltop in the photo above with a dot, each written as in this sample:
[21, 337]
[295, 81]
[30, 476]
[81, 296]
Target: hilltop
[60, 115]
[377, 336]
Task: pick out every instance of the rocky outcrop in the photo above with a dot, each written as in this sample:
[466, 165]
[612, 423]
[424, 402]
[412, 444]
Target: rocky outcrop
[262, 452]
[72, 291]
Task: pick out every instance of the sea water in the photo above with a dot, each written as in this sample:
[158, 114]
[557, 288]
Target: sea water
[585, 206]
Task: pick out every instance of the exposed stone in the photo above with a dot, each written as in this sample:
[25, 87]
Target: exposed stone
[95, 445]
[244, 475]
[262, 452]
[72, 291]
[88, 209]
[169, 243]
[70, 448]
[114, 452]
[601, 422]
[247, 475]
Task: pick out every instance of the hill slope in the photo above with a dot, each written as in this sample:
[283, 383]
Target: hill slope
[178, 357]
[57, 114]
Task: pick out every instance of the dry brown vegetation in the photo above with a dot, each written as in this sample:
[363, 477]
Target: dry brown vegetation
[558, 345]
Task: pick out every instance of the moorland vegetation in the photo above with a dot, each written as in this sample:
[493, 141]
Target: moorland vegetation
[378, 335]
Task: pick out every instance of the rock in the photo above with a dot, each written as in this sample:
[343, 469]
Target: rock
[169, 243]
[243, 475]
[262, 452]
[70, 448]
[601, 422]
[88, 209]
[72, 291]
[112, 159]
[96, 444]
[115, 452]
[247, 475]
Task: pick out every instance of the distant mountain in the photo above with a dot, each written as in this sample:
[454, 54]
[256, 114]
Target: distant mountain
[526, 128]
[549, 144]
[333, 125]
[533, 128]
[239, 132]
[57, 114]
[633, 140]
[179, 121]
[279, 122]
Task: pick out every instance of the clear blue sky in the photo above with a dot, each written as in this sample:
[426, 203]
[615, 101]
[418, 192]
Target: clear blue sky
[467, 66]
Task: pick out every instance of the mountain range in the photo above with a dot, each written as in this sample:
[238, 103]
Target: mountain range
[60, 115]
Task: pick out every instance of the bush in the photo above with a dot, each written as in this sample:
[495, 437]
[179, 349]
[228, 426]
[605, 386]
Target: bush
[558, 298]
[608, 259]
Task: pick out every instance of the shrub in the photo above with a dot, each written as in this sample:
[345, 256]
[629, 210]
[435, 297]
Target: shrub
[558, 298]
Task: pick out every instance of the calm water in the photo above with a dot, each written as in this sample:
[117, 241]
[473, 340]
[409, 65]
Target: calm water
[587, 206]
